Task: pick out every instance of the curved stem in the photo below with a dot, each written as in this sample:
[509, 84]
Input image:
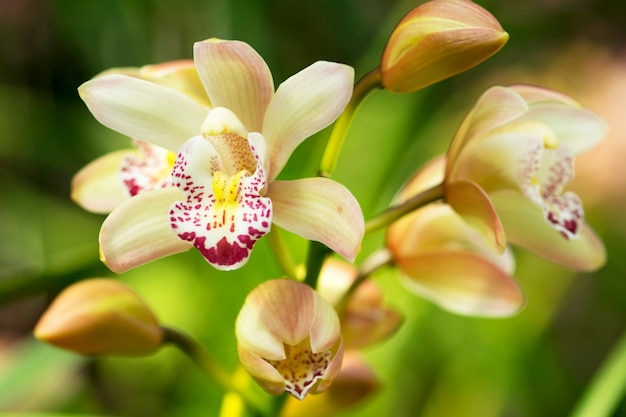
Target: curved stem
[607, 387]
[209, 366]
[373, 263]
[368, 83]
[283, 256]
[393, 213]
[315, 259]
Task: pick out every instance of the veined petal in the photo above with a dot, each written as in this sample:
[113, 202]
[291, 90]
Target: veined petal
[526, 226]
[97, 186]
[319, 209]
[474, 205]
[497, 106]
[143, 110]
[223, 213]
[236, 77]
[463, 283]
[303, 105]
[138, 232]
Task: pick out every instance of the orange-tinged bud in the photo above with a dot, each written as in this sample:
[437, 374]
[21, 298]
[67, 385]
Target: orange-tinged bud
[436, 40]
[100, 316]
[288, 338]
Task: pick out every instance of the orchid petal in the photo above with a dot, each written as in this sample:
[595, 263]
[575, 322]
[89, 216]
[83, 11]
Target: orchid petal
[473, 204]
[143, 110]
[97, 186]
[319, 209]
[223, 214]
[180, 75]
[497, 106]
[463, 283]
[236, 77]
[526, 226]
[138, 231]
[303, 105]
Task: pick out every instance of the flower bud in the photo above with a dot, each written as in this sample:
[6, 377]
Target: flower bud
[100, 316]
[288, 338]
[436, 40]
[365, 319]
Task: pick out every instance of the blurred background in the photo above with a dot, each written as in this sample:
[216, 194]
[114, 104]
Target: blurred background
[438, 364]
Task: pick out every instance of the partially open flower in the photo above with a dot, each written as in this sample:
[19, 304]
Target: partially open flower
[365, 319]
[100, 317]
[355, 383]
[444, 259]
[288, 338]
[436, 40]
[508, 166]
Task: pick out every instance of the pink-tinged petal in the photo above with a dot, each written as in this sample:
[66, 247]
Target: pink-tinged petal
[473, 204]
[497, 106]
[463, 283]
[319, 209]
[262, 371]
[303, 105]
[235, 76]
[97, 186]
[527, 227]
[138, 232]
[223, 214]
[535, 95]
[276, 312]
[143, 110]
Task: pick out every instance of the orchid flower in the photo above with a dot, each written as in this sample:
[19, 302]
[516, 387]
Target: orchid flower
[507, 168]
[442, 258]
[289, 339]
[108, 181]
[229, 155]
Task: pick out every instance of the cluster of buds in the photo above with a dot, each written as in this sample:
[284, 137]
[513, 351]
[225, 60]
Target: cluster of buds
[211, 136]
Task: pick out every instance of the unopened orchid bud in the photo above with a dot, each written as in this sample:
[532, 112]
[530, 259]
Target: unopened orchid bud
[436, 40]
[365, 320]
[288, 338]
[100, 316]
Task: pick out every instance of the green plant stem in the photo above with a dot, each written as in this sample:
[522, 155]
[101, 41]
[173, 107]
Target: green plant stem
[315, 259]
[368, 83]
[282, 253]
[607, 387]
[374, 262]
[393, 213]
[210, 367]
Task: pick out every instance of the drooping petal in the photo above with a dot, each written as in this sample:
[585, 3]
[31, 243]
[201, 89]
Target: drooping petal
[97, 186]
[143, 110]
[222, 214]
[462, 282]
[303, 105]
[138, 231]
[474, 205]
[319, 209]
[236, 77]
[497, 106]
[526, 226]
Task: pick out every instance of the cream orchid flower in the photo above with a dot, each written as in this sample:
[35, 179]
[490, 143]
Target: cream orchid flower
[108, 181]
[445, 260]
[226, 195]
[289, 338]
[507, 168]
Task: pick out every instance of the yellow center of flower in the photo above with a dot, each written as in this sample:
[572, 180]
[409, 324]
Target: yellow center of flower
[301, 368]
[226, 188]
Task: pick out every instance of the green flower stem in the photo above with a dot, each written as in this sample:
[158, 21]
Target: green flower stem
[282, 253]
[608, 386]
[393, 213]
[374, 262]
[209, 365]
[315, 259]
[368, 83]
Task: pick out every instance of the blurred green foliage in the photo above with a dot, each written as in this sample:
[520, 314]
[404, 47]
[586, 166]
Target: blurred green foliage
[535, 364]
